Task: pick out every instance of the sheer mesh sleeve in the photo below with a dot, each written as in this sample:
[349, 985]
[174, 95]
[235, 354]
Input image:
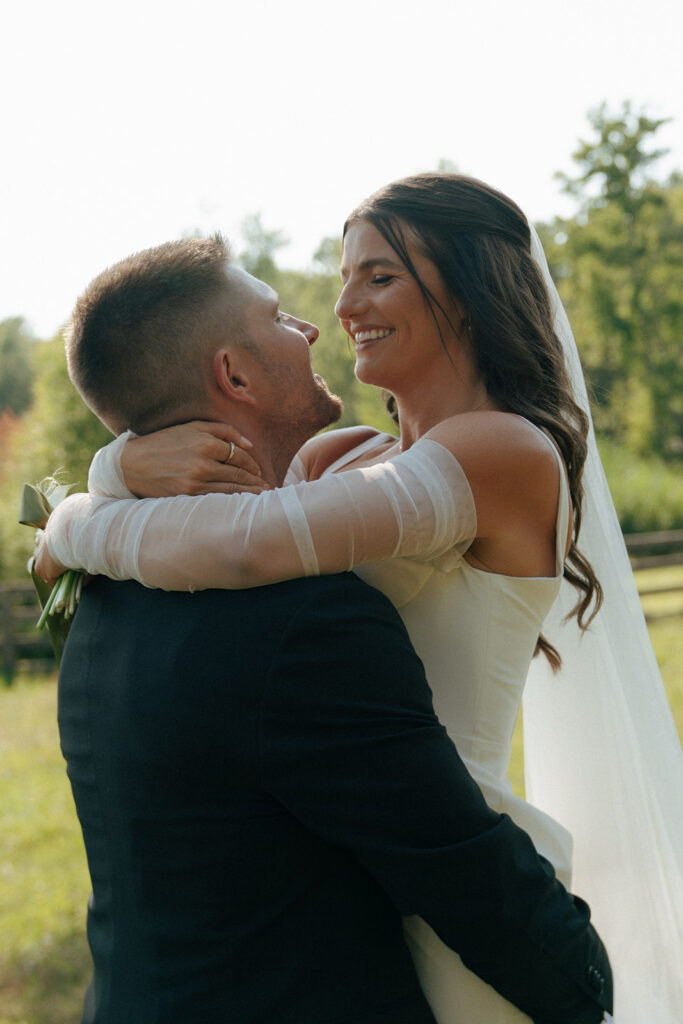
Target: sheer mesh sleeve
[105, 477]
[418, 504]
[296, 472]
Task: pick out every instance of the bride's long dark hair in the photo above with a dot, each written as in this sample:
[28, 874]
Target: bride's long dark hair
[480, 242]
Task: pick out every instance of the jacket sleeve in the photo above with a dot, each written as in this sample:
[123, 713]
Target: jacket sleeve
[352, 747]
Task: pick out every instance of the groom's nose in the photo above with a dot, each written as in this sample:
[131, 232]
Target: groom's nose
[310, 331]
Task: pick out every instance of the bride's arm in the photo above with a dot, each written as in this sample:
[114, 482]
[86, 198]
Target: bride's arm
[419, 503]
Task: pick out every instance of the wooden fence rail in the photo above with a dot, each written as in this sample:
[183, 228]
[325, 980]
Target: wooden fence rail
[643, 549]
[23, 649]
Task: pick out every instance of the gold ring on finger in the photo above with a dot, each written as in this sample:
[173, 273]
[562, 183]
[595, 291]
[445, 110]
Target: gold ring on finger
[230, 453]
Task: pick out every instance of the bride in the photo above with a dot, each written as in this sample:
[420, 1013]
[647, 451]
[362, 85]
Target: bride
[450, 307]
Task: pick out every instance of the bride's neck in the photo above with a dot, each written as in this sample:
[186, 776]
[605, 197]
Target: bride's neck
[419, 412]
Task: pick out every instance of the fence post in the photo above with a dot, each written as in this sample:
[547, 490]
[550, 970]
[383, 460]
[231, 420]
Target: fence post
[9, 651]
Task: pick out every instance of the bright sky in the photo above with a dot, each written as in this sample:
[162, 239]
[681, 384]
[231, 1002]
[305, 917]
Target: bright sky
[127, 123]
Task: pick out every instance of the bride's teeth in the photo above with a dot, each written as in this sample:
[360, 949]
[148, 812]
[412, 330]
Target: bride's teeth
[371, 335]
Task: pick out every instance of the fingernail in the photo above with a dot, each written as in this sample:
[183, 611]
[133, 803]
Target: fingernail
[245, 441]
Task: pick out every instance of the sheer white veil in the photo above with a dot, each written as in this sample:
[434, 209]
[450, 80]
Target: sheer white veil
[602, 755]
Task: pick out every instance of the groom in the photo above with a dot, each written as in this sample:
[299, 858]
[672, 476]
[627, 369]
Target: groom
[261, 781]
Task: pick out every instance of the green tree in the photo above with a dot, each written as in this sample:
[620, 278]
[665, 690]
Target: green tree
[259, 256]
[617, 161]
[58, 434]
[619, 263]
[16, 374]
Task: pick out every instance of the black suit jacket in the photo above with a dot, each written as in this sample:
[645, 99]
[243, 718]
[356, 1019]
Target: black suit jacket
[263, 790]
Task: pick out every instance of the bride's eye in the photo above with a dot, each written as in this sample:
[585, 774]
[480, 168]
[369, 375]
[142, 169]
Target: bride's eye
[382, 278]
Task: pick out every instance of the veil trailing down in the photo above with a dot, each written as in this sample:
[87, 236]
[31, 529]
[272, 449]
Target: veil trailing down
[602, 755]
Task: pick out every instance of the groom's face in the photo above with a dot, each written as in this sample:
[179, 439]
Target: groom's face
[287, 386]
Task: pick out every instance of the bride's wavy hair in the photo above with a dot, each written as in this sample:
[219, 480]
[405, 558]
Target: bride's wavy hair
[480, 242]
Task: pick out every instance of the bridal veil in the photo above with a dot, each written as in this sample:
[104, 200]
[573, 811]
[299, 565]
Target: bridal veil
[603, 757]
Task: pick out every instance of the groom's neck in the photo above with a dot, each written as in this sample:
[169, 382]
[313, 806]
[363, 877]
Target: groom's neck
[273, 455]
[274, 441]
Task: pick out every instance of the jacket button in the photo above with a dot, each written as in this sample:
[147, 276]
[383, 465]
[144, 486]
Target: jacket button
[596, 980]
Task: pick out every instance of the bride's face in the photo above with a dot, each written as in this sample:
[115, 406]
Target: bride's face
[384, 312]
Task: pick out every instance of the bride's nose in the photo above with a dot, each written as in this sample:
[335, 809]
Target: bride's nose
[348, 303]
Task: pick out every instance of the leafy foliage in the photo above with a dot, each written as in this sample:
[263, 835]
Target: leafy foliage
[619, 265]
[16, 373]
[647, 491]
[57, 433]
[617, 160]
[61, 432]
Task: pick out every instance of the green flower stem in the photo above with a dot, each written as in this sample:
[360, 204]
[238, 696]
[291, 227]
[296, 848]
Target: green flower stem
[64, 597]
[60, 602]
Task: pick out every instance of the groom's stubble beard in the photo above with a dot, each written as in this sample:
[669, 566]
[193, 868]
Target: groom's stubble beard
[296, 414]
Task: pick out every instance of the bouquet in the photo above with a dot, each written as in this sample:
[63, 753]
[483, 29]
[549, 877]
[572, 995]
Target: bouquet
[58, 602]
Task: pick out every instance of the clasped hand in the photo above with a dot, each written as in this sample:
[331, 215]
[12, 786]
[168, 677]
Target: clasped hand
[200, 457]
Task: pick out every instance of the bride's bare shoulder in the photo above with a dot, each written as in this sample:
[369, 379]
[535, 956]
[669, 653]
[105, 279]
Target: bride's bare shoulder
[323, 450]
[491, 434]
[501, 452]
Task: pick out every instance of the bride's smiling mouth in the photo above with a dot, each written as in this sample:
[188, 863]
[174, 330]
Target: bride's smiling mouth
[371, 334]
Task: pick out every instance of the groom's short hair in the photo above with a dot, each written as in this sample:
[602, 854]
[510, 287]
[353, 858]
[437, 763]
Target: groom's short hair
[135, 338]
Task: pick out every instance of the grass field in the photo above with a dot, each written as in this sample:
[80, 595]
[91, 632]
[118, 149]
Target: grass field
[44, 962]
[43, 881]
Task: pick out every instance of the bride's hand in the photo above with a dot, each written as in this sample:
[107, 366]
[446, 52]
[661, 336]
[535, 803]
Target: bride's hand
[47, 567]
[192, 458]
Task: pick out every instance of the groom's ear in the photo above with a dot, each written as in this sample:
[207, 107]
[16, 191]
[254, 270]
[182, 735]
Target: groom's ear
[231, 376]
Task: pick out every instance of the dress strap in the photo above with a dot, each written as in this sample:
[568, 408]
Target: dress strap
[355, 453]
[562, 527]
[563, 503]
